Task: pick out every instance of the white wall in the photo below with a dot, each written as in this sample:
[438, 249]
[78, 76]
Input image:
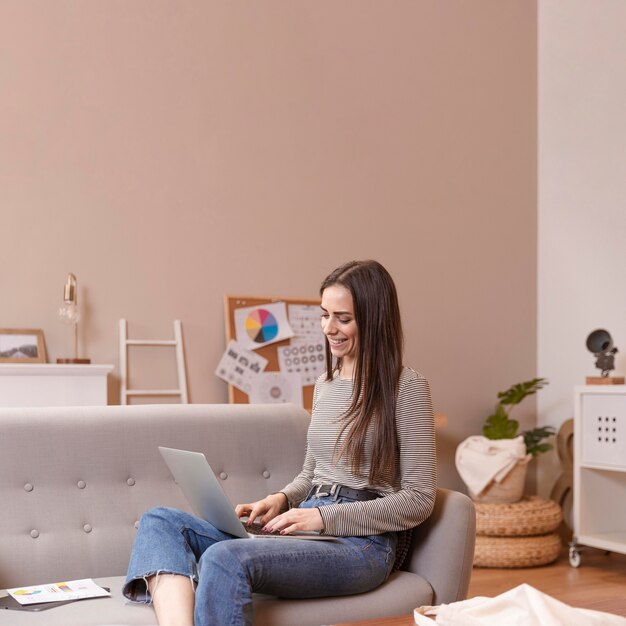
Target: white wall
[582, 197]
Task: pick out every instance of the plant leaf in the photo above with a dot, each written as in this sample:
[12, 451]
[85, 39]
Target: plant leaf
[534, 437]
[500, 426]
[516, 393]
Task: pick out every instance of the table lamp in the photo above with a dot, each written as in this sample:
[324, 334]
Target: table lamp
[69, 314]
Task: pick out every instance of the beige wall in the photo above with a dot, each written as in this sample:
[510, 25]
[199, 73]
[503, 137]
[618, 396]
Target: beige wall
[168, 153]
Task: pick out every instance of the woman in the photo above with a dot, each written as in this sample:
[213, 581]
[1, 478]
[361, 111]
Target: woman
[368, 479]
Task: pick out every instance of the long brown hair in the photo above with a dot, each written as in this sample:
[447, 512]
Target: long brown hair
[377, 367]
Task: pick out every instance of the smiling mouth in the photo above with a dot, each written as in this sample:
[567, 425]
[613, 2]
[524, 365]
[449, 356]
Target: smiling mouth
[337, 342]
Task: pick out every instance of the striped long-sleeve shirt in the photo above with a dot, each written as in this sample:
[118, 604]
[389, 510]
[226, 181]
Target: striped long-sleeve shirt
[408, 499]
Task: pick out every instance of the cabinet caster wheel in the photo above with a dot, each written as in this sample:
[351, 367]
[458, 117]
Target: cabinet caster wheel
[574, 557]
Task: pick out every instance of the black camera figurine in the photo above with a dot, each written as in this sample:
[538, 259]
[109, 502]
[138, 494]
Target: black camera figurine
[600, 343]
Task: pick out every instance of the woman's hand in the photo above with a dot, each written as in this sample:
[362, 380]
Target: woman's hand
[268, 508]
[296, 520]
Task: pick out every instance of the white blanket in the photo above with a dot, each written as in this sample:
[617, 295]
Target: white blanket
[480, 460]
[521, 606]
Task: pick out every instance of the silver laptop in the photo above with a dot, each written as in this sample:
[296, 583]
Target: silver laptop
[196, 479]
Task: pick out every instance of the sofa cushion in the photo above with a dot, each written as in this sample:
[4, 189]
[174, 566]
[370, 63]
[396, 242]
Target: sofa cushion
[403, 591]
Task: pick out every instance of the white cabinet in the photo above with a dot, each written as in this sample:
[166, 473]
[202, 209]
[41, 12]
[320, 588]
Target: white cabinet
[599, 469]
[43, 384]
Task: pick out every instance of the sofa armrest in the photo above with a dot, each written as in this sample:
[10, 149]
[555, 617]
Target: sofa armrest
[443, 547]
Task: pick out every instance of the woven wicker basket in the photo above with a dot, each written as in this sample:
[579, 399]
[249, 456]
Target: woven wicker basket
[508, 552]
[509, 490]
[532, 515]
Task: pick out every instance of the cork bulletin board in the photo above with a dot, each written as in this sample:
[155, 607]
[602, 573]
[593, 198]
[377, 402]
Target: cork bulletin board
[270, 352]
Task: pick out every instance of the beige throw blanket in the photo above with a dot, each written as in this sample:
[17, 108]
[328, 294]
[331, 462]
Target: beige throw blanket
[521, 606]
[480, 460]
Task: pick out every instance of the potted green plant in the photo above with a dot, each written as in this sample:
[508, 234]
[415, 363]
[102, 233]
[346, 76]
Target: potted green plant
[508, 461]
[501, 426]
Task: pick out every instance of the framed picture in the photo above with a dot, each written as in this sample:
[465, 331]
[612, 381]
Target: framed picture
[22, 346]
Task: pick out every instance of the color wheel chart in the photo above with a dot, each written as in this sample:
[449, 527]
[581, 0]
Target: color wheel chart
[261, 326]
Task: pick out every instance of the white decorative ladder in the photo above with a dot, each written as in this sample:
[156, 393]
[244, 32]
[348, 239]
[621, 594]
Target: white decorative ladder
[176, 343]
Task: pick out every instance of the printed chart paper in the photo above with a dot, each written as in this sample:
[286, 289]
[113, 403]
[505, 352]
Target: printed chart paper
[240, 367]
[305, 358]
[258, 326]
[276, 388]
[305, 322]
[58, 592]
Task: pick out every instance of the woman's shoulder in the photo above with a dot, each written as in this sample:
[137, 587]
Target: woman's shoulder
[412, 384]
[414, 403]
[322, 380]
[408, 375]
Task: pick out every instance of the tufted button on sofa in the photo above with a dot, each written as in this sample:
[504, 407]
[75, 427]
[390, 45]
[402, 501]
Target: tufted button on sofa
[75, 481]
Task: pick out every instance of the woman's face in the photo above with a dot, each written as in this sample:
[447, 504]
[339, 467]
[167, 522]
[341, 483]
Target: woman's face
[339, 326]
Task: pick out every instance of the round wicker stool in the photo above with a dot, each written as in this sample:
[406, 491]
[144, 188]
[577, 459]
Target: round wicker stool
[520, 534]
[517, 551]
[532, 515]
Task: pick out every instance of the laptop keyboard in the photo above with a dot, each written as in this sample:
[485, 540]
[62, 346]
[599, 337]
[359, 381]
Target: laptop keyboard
[257, 529]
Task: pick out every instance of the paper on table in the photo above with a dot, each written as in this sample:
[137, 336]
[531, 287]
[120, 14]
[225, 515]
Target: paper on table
[58, 592]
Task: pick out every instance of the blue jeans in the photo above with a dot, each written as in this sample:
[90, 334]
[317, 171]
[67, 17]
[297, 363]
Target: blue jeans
[226, 571]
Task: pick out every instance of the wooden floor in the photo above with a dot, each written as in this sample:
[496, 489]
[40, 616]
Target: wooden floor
[599, 583]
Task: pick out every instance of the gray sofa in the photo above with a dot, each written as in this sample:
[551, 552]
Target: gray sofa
[75, 481]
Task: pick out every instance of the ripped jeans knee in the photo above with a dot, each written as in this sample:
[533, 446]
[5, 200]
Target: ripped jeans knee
[168, 541]
[142, 589]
